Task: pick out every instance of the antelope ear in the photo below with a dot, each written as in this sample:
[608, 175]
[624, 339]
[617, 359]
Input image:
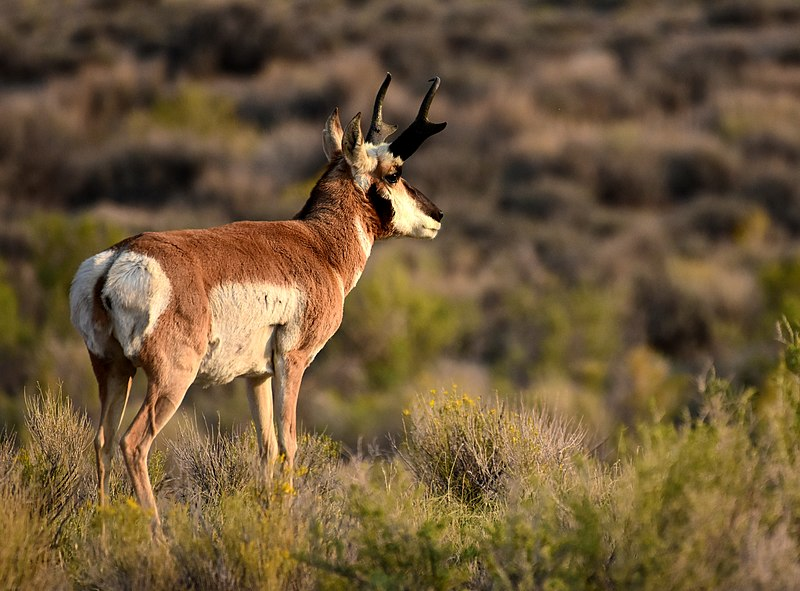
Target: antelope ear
[332, 136]
[353, 146]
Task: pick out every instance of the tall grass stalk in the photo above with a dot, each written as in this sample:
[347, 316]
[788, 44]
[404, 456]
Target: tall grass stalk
[214, 465]
[55, 461]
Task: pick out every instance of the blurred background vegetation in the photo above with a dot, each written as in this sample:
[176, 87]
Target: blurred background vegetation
[621, 183]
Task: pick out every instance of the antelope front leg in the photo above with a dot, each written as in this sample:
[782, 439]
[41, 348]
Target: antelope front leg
[285, 388]
[259, 395]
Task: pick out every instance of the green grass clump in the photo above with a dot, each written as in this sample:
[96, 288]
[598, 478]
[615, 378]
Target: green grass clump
[557, 539]
[27, 560]
[117, 551]
[474, 451]
[41, 488]
[710, 505]
[388, 543]
[238, 544]
[54, 462]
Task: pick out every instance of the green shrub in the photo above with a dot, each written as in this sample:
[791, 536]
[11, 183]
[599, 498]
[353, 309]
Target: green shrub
[780, 281]
[318, 461]
[711, 504]
[556, 540]
[55, 462]
[483, 496]
[236, 544]
[13, 328]
[199, 111]
[27, 560]
[405, 323]
[473, 451]
[385, 543]
[42, 485]
[16, 342]
[560, 330]
[221, 531]
[214, 465]
[117, 551]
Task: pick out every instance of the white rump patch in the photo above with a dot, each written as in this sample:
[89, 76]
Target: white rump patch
[136, 292]
[81, 300]
[244, 318]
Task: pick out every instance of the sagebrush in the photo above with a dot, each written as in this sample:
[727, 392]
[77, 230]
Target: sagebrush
[482, 494]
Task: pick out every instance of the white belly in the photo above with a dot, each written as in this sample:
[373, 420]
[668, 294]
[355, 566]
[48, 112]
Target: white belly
[244, 321]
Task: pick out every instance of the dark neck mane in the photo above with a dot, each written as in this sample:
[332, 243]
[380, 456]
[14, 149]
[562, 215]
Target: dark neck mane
[336, 199]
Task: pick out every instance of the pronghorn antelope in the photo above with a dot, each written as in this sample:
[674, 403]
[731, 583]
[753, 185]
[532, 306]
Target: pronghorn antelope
[248, 299]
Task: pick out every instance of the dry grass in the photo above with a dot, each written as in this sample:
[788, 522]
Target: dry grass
[587, 144]
[475, 451]
[481, 497]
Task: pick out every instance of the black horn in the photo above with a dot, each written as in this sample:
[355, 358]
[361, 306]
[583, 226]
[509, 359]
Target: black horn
[378, 130]
[421, 129]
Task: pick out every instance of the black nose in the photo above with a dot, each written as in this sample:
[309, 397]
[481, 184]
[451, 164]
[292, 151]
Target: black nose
[438, 215]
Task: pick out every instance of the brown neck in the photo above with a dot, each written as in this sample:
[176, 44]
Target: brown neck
[335, 210]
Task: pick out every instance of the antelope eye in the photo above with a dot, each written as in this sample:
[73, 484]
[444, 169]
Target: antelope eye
[392, 178]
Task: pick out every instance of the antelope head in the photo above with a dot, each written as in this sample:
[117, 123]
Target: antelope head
[376, 166]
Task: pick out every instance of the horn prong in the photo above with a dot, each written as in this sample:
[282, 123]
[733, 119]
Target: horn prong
[420, 129]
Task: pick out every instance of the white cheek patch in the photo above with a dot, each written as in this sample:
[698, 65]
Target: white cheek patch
[136, 292]
[249, 321]
[81, 300]
[409, 219]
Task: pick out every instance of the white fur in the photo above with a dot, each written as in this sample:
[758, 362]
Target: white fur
[249, 322]
[363, 238]
[362, 167]
[381, 152]
[365, 242]
[409, 219]
[81, 300]
[137, 292]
